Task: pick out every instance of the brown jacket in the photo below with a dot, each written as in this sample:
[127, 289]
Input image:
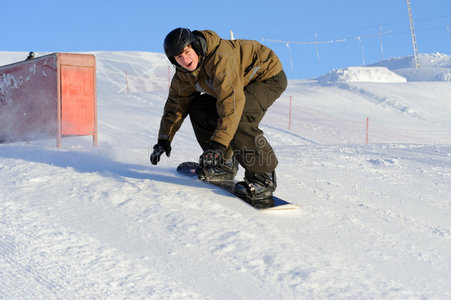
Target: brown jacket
[225, 69]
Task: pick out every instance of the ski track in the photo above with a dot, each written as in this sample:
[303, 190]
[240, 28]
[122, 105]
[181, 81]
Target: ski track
[120, 194]
[386, 226]
[223, 251]
[61, 261]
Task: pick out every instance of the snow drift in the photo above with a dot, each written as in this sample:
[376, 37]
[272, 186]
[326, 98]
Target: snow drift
[361, 74]
[433, 67]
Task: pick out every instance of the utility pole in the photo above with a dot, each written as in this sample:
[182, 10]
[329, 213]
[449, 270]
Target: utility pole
[362, 49]
[382, 46]
[412, 32]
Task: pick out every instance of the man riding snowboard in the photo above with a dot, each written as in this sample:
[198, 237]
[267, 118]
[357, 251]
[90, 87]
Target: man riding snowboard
[225, 86]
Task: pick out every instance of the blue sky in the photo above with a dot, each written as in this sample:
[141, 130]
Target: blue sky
[75, 26]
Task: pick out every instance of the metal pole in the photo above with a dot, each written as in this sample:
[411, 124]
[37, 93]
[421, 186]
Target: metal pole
[291, 57]
[362, 50]
[316, 47]
[412, 32]
[382, 46]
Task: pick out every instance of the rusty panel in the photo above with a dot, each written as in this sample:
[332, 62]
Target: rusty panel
[28, 99]
[78, 100]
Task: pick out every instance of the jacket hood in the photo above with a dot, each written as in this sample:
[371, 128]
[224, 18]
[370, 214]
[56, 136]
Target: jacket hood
[209, 41]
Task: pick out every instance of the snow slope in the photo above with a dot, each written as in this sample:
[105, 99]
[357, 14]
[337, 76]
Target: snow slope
[102, 223]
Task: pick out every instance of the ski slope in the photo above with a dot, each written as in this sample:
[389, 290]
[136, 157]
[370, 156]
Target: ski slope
[375, 220]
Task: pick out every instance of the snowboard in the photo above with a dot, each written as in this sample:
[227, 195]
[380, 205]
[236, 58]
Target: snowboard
[189, 169]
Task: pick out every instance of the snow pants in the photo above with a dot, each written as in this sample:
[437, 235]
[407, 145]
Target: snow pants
[249, 147]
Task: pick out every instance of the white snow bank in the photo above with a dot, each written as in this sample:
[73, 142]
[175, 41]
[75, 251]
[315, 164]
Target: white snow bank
[362, 74]
[432, 67]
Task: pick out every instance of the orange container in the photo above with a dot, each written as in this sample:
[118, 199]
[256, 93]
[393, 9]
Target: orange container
[49, 96]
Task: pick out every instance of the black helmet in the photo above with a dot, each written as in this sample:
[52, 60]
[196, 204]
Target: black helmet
[177, 40]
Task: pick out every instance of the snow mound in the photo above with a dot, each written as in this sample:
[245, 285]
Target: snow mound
[361, 74]
[433, 67]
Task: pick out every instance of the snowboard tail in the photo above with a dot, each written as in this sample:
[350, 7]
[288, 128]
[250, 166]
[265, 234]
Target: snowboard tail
[189, 169]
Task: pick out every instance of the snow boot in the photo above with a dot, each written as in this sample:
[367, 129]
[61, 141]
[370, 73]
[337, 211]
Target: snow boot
[258, 189]
[226, 171]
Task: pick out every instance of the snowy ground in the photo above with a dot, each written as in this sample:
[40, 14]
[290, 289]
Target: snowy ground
[102, 223]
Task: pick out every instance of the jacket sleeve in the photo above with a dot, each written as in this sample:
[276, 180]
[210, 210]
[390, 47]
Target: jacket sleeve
[176, 107]
[230, 100]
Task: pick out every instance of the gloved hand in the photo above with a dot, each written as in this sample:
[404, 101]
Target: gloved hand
[213, 156]
[163, 146]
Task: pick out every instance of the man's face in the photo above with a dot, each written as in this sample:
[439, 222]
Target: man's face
[188, 59]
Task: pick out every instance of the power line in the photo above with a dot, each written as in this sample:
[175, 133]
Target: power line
[343, 40]
[307, 43]
[360, 38]
[372, 25]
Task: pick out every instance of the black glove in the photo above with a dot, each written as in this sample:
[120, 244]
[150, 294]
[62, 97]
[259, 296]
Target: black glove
[163, 146]
[213, 156]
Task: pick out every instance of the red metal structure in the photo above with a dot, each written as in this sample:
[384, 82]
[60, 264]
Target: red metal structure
[48, 96]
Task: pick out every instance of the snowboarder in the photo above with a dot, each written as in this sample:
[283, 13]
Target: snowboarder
[226, 87]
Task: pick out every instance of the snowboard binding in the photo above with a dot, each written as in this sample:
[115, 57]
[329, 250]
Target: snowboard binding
[258, 190]
[225, 172]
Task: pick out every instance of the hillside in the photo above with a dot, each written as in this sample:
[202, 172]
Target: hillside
[102, 223]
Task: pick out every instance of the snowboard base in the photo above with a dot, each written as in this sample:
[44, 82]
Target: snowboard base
[189, 169]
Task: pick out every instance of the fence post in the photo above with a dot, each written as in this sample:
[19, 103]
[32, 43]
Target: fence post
[126, 82]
